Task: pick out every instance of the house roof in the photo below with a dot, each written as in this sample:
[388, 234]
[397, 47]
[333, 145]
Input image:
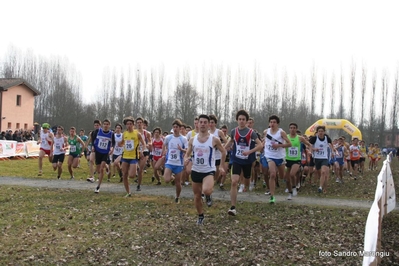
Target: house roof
[5, 84]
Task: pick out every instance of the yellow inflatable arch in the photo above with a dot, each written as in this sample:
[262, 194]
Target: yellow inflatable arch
[343, 124]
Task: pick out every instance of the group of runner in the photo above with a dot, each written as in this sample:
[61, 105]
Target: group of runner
[207, 153]
[55, 147]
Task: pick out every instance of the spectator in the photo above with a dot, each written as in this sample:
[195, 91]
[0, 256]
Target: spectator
[14, 136]
[384, 152]
[18, 137]
[28, 136]
[3, 135]
[9, 135]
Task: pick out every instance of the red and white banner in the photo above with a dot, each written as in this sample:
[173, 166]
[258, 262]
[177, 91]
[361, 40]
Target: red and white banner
[10, 148]
[7, 148]
[384, 202]
[32, 148]
[20, 149]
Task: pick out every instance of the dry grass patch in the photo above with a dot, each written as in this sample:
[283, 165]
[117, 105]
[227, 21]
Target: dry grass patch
[68, 227]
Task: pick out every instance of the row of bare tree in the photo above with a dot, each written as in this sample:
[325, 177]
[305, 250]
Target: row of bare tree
[368, 99]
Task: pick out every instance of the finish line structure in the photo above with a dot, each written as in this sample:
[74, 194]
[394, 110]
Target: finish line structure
[343, 124]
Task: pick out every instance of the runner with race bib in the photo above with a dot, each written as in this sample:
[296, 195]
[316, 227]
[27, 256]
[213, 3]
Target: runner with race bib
[320, 143]
[245, 144]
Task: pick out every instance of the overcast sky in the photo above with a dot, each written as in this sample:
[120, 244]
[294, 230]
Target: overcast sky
[292, 34]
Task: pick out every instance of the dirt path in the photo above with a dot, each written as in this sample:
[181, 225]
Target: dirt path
[186, 192]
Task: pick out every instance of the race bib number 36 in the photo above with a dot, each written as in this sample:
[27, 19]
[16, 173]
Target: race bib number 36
[174, 155]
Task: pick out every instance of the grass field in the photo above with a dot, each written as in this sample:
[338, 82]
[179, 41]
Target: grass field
[69, 227]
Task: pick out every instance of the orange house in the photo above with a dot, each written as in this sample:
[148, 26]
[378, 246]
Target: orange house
[17, 103]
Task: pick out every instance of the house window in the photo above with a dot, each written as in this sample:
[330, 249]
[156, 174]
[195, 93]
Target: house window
[18, 100]
[25, 126]
[9, 125]
[18, 126]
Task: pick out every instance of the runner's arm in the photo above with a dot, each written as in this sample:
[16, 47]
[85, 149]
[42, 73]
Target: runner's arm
[221, 135]
[51, 135]
[287, 143]
[228, 144]
[82, 143]
[66, 143]
[187, 156]
[304, 141]
[143, 144]
[219, 146]
[149, 144]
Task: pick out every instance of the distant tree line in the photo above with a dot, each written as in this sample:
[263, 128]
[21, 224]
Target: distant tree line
[367, 98]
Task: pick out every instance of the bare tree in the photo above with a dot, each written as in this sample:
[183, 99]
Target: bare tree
[114, 99]
[304, 113]
[217, 98]
[372, 119]
[144, 98]
[137, 94]
[384, 100]
[209, 103]
[186, 102]
[314, 91]
[152, 96]
[103, 103]
[12, 64]
[341, 96]
[332, 96]
[323, 95]
[237, 102]
[285, 98]
[363, 95]
[161, 106]
[253, 106]
[352, 92]
[394, 112]
[272, 103]
[227, 98]
[204, 85]
[294, 97]
[129, 94]
[122, 100]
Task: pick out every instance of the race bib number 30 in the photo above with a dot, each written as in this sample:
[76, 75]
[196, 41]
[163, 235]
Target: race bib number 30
[200, 161]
